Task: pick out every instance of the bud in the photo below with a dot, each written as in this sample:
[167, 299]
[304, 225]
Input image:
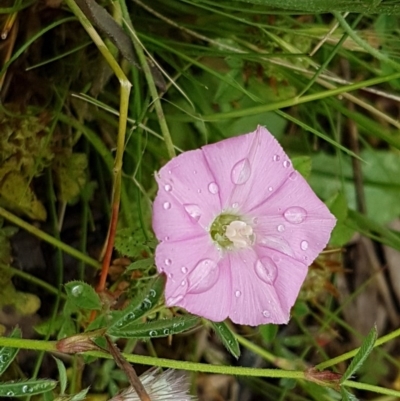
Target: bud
[170, 385]
[79, 343]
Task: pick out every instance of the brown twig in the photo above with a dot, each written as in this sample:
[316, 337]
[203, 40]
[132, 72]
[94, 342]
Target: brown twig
[123, 364]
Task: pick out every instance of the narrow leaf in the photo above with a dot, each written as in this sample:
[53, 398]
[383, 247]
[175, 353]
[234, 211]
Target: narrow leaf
[62, 373]
[158, 328]
[7, 354]
[82, 295]
[140, 305]
[362, 354]
[26, 388]
[346, 395]
[227, 337]
[81, 395]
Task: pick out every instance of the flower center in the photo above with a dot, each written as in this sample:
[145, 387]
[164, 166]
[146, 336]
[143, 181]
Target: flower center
[229, 232]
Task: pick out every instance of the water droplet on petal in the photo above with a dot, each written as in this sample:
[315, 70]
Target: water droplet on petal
[266, 270]
[213, 188]
[281, 228]
[235, 205]
[77, 290]
[171, 301]
[168, 187]
[169, 172]
[266, 313]
[241, 172]
[183, 283]
[204, 276]
[193, 211]
[255, 220]
[286, 163]
[293, 176]
[170, 275]
[166, 205]
[194, 172]
[166, 238]
[295, 215]
[238, 294]
[304, 245]
[276, 158]
[184, 269]
[168, 262]
[278, 243]
[199, 191]
[270, 189]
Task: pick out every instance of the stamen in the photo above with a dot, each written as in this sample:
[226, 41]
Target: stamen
[240, 234]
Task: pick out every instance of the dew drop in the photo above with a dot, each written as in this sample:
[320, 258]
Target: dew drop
[235, 205]
[170, 275]
[304, 245]
[184, 269]
[169, 172]
[193, 211]
[166, 205]
[77, 290]
[276, 158]
[204, 276]
[255, 220]
[281, 228]
[293, 176]
[266, 270]
[213, 188]
[152, 333]
[166, 331]
[238, 294]
[10, 393]
[25, 389]
[166, 238]
[266, 313]
[295, 215]
[172, 301]
[168, 262]
[241, 172]
[183, 283]
[194, 172]
[152, 293]
[199, 191]
[270, 189]
[286, 163]
[168, 187]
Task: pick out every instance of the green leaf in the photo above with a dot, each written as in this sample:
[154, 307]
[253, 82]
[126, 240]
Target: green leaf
[131, 243]
[346, 395]
[365, 349]
[26, 388]
[140, 305]
[227, 337]
[158, 328]
[268, 332]
[62, 373]
[82, 295]
[7, 354]
[141, 264]
[81, 395]
[303, 165]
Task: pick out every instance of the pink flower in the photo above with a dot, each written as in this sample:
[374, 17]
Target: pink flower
[238, 228]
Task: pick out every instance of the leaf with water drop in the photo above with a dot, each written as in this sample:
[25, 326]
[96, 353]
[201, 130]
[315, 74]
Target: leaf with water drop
[139, 306]
[26, 388]
[366, 347]
[227, 337]
[82, 295]
[7, 354]
[157, 328]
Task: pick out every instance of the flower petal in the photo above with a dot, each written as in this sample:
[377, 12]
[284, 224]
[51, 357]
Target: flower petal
[294, 221]
[255, 300]
[188, 180]
[248, 168]
[197, 279]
